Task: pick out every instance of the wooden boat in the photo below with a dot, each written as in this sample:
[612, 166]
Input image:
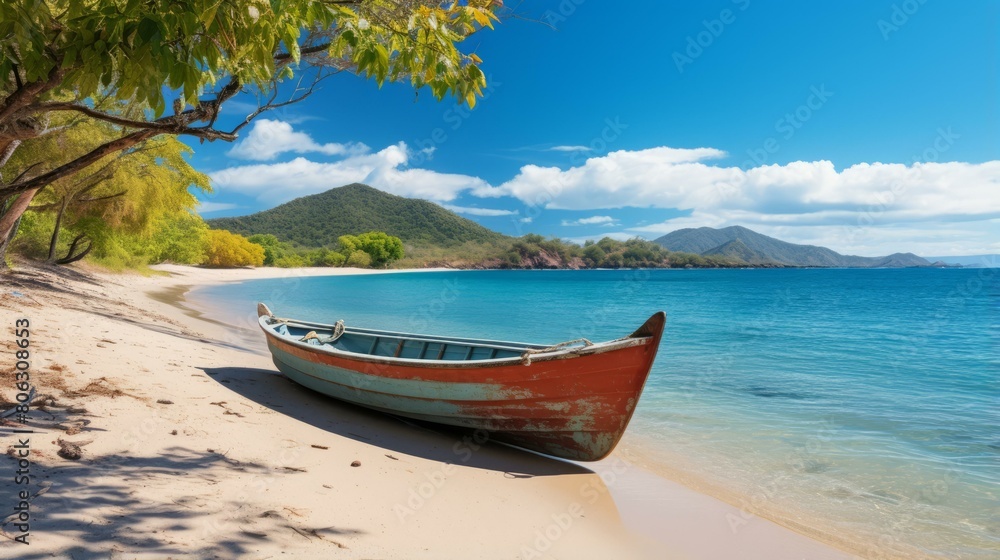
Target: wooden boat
[572, 400]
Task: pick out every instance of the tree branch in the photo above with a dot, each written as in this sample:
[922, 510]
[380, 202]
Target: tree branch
[160, 124]
[17, 76]
[206, 110]
[227, 92]
[27, 95]
[101, 198]
[93, 180]
[78, 164]
[70, 257]
[271, 105]
[174, 124]
[25, 172]
[303, 52]
[7, 151]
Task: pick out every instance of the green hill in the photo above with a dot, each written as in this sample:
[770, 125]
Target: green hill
[738, 250]
[754, 248]
[318, 220]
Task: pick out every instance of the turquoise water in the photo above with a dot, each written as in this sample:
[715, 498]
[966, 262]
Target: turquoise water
[861, 405]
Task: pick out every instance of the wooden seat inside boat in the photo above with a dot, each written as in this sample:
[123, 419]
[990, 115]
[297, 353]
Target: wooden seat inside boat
[385, 344]
[420, 349]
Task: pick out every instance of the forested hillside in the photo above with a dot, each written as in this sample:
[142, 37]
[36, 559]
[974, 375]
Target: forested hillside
[319, 220]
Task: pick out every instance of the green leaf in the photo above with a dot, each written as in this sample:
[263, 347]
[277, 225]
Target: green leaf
[148, 29]
[69, 58]
[382, 61]
[350, 37]
[208, 16]
[159, 106]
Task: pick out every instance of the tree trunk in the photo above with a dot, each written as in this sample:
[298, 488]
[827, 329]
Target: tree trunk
[7, 149]
[5, 242]
[70, 257]
[11, 218]
[14, 212]
[54, 241]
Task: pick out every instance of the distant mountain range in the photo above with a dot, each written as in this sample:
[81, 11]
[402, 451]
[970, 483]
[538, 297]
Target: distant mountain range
[740, 243]
[318, 220]
[972, 261]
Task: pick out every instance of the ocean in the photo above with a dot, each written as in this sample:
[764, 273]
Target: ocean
[861, 406]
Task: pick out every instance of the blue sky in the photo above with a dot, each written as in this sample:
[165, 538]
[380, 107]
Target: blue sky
[869, 127]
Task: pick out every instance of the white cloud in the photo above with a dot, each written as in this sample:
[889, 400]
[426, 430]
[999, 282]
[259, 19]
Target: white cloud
[591, 221]
[569, 149]
[618, 179]
[269, 138]
[799, 201]
[678, 178]
[479, 211]
[386, 169]
[525, 220]
[208, 207]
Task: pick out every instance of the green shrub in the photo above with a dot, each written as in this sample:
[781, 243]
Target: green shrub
[359, 259]
[180, 240]
[225, 249]
[274, 250]
[291, 261]
[33, 235]
[333, 258]
[381, 247]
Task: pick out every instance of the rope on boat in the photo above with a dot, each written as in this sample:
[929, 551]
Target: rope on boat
[311, 335]
[526, 356]
[338, 331]
[271, 319]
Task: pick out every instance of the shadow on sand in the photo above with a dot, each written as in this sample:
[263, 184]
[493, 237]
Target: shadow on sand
[393, 434]
[77, 507]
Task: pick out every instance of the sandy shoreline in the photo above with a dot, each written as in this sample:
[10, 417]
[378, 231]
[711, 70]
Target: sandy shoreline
[196, 447]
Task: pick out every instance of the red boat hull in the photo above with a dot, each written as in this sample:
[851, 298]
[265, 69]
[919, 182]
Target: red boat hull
[575, 405]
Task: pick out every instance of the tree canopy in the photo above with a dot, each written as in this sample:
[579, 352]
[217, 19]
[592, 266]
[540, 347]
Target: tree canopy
[121, 61]
[128, 192]
[381, 247]
[225, 249]
[135, 48]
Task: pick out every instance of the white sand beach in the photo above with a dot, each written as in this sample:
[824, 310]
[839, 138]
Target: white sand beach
[194, 446]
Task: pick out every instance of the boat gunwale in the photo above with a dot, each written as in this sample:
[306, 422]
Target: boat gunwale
[561, 353]
[499, 345]
[509, 344]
